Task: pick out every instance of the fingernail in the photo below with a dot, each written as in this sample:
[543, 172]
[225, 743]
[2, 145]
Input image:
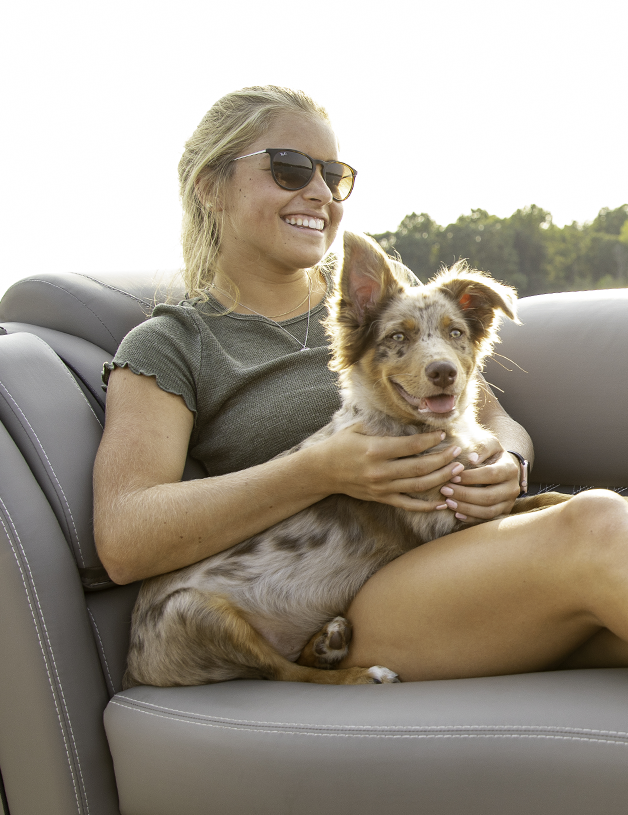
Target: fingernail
[457, 469]
[447, 491]
[456, 451]
[460, 516]
[473, 457]
[456, 479]
[451, 504]
[442, 506]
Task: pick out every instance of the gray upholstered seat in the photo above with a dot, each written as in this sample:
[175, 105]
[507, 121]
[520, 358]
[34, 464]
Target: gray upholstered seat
[546, 743]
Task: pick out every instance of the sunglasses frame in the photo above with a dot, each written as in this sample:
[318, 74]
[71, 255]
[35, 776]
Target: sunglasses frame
[272, 152]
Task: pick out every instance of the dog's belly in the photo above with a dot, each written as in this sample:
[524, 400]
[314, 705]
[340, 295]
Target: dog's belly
[292, 579]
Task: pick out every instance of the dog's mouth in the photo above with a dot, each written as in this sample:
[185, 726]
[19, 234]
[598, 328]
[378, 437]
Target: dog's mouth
[440, 403]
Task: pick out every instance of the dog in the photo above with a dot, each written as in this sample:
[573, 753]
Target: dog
[408, 359]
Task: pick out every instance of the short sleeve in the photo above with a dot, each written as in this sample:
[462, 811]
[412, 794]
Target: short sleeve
[167, 346]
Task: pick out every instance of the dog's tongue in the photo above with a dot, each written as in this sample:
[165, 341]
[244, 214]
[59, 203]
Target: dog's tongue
[441, 404]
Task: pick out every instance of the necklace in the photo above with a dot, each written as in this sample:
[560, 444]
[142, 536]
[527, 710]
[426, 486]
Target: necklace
[283, 313]
[272, 320]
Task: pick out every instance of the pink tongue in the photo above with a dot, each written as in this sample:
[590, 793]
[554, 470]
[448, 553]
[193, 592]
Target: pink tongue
[440, 404]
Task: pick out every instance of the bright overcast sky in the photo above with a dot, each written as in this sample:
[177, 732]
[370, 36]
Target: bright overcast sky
[441, 106]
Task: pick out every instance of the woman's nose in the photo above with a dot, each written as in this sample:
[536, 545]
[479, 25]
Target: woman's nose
[317, 189]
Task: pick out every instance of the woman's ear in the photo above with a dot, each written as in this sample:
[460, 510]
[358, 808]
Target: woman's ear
[206, 194]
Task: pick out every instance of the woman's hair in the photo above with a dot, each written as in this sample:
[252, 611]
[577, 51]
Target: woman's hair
[227, 129]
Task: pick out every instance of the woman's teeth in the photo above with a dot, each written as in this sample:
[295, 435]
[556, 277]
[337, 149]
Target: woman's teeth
[311, 223]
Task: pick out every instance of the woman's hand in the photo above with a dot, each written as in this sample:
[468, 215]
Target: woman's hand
[389, 469]
[488, 491]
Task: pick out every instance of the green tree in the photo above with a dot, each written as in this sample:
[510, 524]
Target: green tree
[526, 250]
[611, 221]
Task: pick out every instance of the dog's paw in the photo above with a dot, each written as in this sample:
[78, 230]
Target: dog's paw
[331, 644]
[381, 676]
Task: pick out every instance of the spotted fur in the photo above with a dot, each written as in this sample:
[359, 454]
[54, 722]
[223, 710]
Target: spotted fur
[255, 609]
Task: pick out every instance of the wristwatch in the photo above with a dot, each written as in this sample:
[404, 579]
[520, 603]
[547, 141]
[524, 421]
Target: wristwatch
[524, 472]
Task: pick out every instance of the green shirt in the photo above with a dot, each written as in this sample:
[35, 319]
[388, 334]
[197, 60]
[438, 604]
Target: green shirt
[253, 391]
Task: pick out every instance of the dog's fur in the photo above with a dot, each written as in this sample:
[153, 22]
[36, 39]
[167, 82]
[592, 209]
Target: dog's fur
[408, 359]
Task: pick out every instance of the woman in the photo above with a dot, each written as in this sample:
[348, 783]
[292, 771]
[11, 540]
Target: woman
[239, 373]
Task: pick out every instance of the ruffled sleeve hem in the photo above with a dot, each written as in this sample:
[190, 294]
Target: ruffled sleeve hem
[111, 366]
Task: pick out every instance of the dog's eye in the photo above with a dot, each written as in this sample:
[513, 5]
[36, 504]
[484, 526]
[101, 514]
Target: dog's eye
[455, 333]
[398, 336]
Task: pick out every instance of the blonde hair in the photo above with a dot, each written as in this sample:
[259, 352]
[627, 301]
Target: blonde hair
[225, 132]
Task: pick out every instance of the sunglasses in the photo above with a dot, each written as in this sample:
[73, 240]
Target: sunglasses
[293, 170]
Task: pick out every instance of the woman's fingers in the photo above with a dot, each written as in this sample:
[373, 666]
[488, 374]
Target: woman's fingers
[491, 447]
[495, 493]
[386, 469]
[419, 483]
[501, 471]
[398, 447]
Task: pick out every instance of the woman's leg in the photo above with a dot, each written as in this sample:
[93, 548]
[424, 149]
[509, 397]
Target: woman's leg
[514, 595]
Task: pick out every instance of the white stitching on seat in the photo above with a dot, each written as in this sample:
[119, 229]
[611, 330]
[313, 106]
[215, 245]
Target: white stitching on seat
[117, 289]
[379, 735]
[50, 350]
[102, 648]
[65, 500]
[619, 733]
[51, 657]
[67, 291]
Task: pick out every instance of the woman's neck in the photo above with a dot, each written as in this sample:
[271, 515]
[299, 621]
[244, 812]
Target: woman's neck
[270, 296]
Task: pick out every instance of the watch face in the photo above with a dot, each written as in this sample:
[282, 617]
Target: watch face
[525, 470]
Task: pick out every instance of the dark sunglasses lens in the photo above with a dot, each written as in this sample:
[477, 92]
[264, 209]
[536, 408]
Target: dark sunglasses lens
[292, 170]
[339, 179]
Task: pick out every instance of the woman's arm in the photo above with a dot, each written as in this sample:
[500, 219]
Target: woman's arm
[487, 492]
[147, 522]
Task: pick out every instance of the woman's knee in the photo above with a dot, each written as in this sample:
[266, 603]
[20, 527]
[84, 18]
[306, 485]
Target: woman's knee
[599, 516]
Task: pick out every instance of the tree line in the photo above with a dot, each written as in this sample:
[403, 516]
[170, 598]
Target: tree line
[526, 250]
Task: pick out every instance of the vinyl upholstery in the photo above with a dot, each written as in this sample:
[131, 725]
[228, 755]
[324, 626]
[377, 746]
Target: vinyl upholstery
[546, 743]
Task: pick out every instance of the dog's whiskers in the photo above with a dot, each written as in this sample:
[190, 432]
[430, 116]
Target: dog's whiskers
[512, 362]
[488, 386]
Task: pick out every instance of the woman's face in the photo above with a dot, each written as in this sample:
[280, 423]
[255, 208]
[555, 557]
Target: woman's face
[260, 226]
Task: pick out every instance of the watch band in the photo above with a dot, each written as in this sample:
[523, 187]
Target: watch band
[524, 472]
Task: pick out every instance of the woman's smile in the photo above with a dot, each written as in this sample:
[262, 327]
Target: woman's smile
[305, 222]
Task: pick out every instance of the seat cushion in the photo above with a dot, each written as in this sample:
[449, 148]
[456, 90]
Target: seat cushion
[548, 743]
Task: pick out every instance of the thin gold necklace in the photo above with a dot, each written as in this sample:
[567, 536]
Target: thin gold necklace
[273, 316]
[272, 319]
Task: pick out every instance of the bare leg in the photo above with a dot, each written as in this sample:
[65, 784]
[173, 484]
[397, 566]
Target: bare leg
[603, 650]
[514, 595]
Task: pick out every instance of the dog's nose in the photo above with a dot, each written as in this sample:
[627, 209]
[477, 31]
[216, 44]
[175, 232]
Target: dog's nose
[441, 373]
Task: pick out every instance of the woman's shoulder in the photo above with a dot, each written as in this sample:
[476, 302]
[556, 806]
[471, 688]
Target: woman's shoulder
[167, 345]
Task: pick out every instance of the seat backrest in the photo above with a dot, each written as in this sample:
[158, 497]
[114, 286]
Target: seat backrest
[65, 628]
[83, 318]
[57, 332]
[562, 374]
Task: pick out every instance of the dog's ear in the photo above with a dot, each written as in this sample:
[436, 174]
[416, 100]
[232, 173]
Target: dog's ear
[479, 297]
[366, 282]
[366, 278]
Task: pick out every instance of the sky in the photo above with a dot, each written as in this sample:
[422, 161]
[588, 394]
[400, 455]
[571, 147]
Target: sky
[441, 107]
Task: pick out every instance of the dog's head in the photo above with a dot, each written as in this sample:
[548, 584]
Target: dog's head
[413, 351]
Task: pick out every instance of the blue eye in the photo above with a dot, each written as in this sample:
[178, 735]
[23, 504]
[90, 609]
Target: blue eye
[455, 333]
[398, 336]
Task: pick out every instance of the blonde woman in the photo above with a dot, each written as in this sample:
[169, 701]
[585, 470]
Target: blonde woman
[238, 373]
